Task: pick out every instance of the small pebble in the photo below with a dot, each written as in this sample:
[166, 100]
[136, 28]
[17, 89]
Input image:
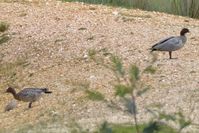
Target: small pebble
[11, 105]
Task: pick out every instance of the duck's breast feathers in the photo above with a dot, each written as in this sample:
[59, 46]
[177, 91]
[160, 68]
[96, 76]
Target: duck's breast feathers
[169, 44]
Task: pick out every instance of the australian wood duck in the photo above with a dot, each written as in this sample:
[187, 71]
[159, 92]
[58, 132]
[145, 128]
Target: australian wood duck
[28, 94]
[172, 43]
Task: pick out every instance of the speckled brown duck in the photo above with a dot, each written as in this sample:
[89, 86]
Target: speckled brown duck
[28, 94]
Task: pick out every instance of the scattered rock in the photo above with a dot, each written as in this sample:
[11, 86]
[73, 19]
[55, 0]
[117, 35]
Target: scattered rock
[11, 105]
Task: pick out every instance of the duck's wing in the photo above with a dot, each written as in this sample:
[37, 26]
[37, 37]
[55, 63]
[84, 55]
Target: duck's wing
[29, 94]
[168, 44]
[35, 90]
[162, 41]
[32, 90]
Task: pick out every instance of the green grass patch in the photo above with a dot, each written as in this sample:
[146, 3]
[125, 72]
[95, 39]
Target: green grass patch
[122, 90]
[94, 95]
[3, 26]
[122, 128]
[128, 128]
[4, 38]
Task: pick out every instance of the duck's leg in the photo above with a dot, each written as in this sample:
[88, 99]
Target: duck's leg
[170, 54]
[29, 106]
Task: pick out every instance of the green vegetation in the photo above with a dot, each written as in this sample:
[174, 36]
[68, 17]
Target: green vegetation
[3, 26]
[129, 86]
[159, 116]
[178, 7]
[94, 95]
[127, 128]
[186, 8]
[4, 37]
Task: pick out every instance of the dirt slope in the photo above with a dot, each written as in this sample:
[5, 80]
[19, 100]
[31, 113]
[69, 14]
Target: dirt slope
[48, 46]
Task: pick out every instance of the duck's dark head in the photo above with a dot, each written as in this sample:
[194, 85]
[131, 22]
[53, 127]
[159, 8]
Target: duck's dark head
[11, 90]
[184, 31]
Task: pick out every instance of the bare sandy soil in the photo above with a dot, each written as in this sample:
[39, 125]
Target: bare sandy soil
[48, 48]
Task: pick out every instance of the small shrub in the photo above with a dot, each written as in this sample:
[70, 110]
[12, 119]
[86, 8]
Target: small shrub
[128, 80]
[3, 26]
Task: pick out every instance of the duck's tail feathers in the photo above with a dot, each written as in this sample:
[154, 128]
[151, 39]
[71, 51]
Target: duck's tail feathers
[45, 90]
[151, 49]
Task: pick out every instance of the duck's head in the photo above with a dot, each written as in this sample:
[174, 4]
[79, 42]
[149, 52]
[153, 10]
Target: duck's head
[184, 31]
[10, 90]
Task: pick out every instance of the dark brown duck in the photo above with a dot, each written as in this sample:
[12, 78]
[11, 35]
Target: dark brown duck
[28, 94]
